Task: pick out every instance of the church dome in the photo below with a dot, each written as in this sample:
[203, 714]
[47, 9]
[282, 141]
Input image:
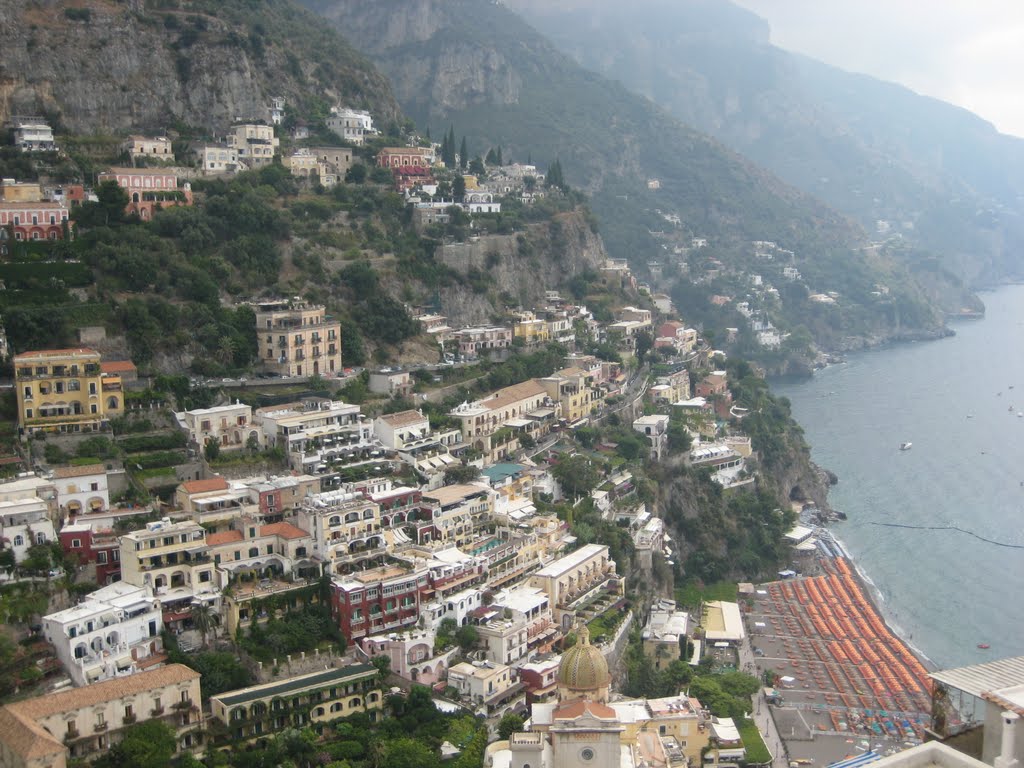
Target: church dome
[583, 667]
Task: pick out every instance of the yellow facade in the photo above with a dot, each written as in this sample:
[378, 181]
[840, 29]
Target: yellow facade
[531, 329]
[297, 702]
[298, 339]
[575, 390]
[64, 390]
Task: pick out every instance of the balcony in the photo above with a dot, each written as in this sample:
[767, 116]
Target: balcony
[72, 734]
[183, 704]
[129, 719]
[156, 711]
[100, 727]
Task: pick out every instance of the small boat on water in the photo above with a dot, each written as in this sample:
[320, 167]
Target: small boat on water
[984, 646]
[906, 446]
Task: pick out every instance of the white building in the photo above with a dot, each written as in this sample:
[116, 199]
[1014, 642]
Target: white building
[217, 158]
[491, 689]
[456, 607]
[655, 428]
[108, 634]
[81, 489]
[228, 425]
[352, 125]
[27, 508]
[33, 134]
[255, 143]
[316, 432]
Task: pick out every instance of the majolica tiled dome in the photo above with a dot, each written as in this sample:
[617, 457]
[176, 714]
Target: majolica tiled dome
[583, 667]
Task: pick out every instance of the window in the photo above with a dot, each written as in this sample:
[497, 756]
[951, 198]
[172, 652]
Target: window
[117, 555]
[92, 388]
[28, 413]
[40, 538]
[76, 543]
[101, 558]
[204, 576]
[19, 540]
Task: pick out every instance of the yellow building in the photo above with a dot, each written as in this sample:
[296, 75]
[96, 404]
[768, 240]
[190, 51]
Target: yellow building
[298, 339]
[572, 580]
[531, 329]
[574, 388]
[296, 702]
[83, 723]
[64, 390]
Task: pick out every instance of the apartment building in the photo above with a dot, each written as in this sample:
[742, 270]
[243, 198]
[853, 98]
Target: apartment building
[655, 429]
[575, 390]
[378, 600]
[35, 220]
[492, 690]
[114, 632]
[149, 189]
[173, 559]
[345, 528]
[485, 340]
[571, 580]
[317, 433]
[399, 157]
[298, 339]
[540, 678]
[255, 143]
[492, 424]
[664, 636]
[81, 490]
[531, 329]
[217, 158]
[33, 134]
[411, 654]
[24, 523]
[158, 147]
[296, 702]
[64, 390]
[253, 550]
[351, 125]
[83, 723]
[459, 511]
[96, 548]
[230, 426]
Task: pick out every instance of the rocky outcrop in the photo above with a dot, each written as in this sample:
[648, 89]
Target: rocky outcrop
[111, 68]
[517, 269]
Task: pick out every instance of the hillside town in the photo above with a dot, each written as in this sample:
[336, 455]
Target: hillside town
[250, 560]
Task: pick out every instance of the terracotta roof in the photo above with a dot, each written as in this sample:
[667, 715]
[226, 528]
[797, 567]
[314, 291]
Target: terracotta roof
[118, 366]
[26, 738]
[578, 708]
[224, 537]
[40, 353]
[284, 530]
[204, 486]
[403, 418]
[18, 205]
[63, 473]
[97, 693]
[513, 394]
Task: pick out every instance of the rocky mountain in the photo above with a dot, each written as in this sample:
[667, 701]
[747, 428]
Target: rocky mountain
[477, 66]
[933, 174]
[113, 67]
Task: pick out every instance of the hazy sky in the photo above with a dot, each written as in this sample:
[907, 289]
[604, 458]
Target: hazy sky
[968, 52]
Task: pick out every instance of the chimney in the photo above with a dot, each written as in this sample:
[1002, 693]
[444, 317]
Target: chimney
[1007, 758]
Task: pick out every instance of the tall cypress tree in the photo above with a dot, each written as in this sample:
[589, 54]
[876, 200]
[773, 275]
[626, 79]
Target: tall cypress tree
[463, 154]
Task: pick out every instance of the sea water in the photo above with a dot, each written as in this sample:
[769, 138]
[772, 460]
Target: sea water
[957, 401]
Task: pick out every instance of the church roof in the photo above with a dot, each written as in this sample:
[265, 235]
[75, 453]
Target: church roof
[583, 667]
[580, 707]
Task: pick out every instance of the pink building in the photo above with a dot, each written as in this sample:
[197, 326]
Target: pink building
[149, 189]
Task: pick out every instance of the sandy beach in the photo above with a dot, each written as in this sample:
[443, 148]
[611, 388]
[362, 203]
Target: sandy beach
[847, 682]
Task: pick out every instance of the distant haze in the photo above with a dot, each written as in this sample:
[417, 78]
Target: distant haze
[969, 53]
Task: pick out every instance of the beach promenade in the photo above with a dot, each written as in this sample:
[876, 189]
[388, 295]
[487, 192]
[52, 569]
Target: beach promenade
[847, 683]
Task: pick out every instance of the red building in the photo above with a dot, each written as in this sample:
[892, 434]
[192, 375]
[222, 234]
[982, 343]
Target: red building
[97, 550]
[149, 189]
[378, 600]
[39, 220]
[410, 176]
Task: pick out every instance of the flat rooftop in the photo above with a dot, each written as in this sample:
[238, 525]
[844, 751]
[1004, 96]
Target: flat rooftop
[295, 684]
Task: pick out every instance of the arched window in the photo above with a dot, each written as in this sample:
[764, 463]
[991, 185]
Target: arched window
[112, 402]
[19, 540]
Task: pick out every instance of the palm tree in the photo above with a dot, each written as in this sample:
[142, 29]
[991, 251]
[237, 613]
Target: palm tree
[205, 620]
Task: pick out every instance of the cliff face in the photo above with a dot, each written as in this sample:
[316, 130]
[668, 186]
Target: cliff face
[519, 267]
[116, 67]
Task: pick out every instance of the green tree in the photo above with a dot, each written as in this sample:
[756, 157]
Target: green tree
[407, 753]
[463, 154]
[577, 475]
[383, 665]
[145, 745]
[211, 450]
[467, 637]
[459, 188]
[510, 723]
[204, 620]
